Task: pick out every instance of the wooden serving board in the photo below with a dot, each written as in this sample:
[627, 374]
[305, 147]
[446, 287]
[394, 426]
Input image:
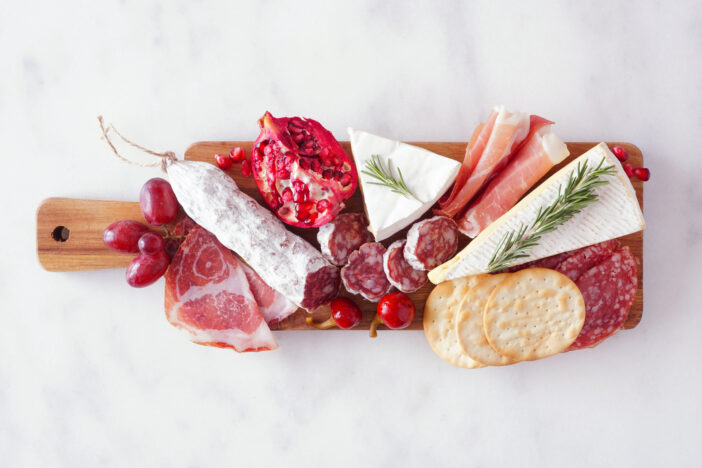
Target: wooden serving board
[69, 231]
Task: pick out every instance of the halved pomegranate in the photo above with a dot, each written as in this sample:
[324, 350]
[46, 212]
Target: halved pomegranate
[302, 172]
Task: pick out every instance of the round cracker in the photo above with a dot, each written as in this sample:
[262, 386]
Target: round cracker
[533, 313]
[469, 322]
[439, 321]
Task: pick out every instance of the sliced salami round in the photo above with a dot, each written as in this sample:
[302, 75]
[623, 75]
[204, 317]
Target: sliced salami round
[582, 260]
[608, 290]
[364, 273]
[342, 236]
[398, 270]
[431, 242]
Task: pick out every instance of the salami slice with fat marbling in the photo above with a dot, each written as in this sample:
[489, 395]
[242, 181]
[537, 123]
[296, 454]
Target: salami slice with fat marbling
[581, 260]
[342, 236]
[399, 272]
[364, 274]
[431, 242]
[608, 290]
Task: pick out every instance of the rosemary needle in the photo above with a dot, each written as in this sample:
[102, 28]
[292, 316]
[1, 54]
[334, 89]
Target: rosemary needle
[577, 193]
[384, 177]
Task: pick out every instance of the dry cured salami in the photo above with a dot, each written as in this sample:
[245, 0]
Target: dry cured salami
[431, 242]
[399, 272]
[608, 290]
[581, 260]
[284, 261]
[364, 272]
[342, 236]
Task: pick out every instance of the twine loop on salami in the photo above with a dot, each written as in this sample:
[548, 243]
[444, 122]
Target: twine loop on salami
[165, 158]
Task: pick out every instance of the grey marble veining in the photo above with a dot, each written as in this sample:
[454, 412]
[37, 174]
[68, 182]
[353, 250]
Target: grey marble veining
[92, 374]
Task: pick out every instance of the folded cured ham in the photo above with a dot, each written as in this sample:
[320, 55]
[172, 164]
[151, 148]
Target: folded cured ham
[208, 296]
[273, 306]
[492, 147]
[539, 153]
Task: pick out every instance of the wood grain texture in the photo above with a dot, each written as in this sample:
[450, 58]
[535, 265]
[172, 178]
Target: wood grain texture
[86, 219]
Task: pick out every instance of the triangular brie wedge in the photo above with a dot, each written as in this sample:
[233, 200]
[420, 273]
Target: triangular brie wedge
[616, 213]
[426, 174]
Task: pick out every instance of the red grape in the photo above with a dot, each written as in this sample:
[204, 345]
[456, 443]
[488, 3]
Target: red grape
[171, 247]
[146, 269]
[151, 243]
[395, 310]
[123, 236]
[158, 202]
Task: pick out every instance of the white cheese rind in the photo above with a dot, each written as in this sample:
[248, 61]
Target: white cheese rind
[616, 213]
[427, 175]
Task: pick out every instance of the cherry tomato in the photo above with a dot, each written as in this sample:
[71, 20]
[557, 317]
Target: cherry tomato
[345, 314]
[395, 310]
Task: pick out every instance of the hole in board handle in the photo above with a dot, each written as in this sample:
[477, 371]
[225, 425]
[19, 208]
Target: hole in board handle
[60, 234]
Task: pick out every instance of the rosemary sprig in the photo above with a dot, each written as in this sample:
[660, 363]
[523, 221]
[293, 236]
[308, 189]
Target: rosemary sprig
[577, 193]
[375, 169]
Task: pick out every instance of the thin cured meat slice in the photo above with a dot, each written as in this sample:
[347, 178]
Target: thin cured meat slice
[399, 272]
[541, 152]
[508, 132]
[342, 236]
[581, 260]
[207, 295]
[608, 290]
[431, 242]
[273, 306]
[547, 262]
[364, 272]
[286, 262]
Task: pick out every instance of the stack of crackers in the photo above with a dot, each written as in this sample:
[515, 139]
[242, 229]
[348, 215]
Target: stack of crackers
[505, 318]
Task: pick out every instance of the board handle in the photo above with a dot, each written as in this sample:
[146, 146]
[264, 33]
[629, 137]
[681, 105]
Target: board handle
[69, 233]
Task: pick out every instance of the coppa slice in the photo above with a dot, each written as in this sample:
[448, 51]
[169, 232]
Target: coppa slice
[426, 174]
[616, 213]
[343, 236]
[364, 273]
[440, 321]
[469, 322]
[608, 290]
[273, 306]
[208, 296]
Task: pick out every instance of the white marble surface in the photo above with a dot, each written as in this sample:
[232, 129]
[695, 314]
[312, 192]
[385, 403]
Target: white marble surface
[91, 374]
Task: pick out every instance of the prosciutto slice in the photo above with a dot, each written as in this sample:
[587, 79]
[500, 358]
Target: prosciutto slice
[208, 296]
[507, 133]
[534, 159]
[273, 306]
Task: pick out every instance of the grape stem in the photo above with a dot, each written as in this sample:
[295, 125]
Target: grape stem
[374, 326]
[328, 323]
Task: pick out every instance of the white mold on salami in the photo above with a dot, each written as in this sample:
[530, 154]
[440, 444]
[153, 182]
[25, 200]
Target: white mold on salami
[431, 242]
[286, 262]
[364, 273]
[399, 272]
[342, 236]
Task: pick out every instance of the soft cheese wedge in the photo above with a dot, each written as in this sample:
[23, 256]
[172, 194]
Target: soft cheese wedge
[616, 213]
[426, 174]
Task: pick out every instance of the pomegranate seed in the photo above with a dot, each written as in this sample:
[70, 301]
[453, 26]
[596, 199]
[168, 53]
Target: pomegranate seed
[303, 211]
[327, 161]
[282, 174]
[337, 176]
[336, 161]
[323, 205]
[620, 153]
[324, 153]
[642, 173]
[284, 211]
[246, 168]
[267, 150]
[288, 161]
[223, 162]
[299, 138]
[328, 174]
[316, 166]
[345, 180]
[309, 144]
[237, 154]
[297, 185]
[297, 122]
[304, 164]
[287, 194]
[629, 169]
